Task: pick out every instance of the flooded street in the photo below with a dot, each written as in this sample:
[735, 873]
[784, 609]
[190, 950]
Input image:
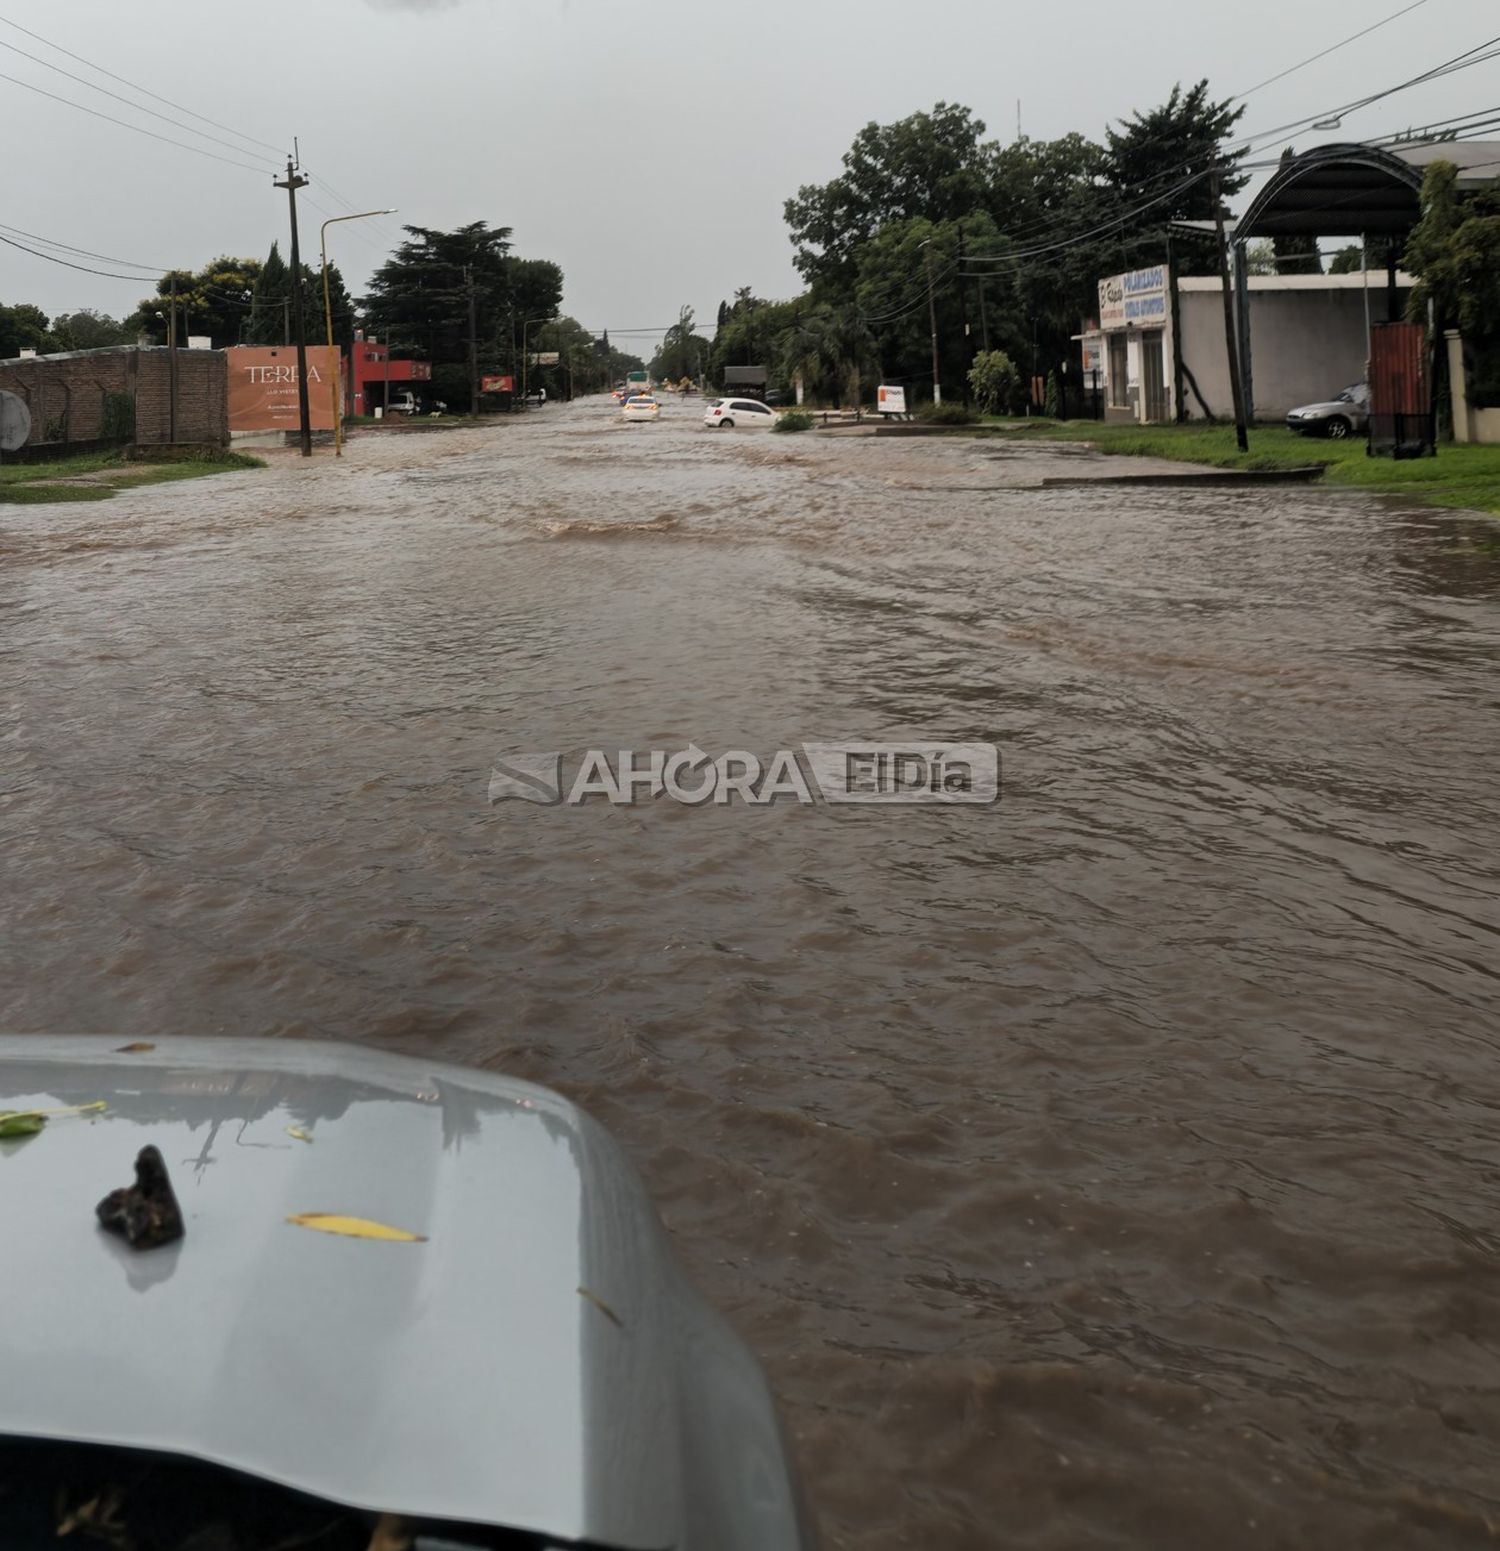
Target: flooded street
[1118, 1165]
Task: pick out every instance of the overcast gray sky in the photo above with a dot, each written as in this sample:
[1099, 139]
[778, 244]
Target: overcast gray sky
[645, 145]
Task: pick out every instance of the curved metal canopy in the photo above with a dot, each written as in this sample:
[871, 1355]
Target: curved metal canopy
[1347, 189]
[1336, 191]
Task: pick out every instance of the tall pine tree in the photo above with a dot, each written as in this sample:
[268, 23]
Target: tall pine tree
[268, 323]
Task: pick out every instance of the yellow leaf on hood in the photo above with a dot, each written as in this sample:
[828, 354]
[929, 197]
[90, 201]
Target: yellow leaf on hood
[299, 1133]
[354, 1227]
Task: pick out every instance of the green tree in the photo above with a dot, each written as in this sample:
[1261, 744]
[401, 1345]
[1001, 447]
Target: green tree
[930, 165]
[1454, 251]
[88, 330]
[994, 382]
[419, 302]
[683, 351]
[268, 322]
[752, 334]
[1052, 404]
[535, 289]
[1165, 155]
[345, 313]
[215, 301]
[1260, 257]
[419, 298]
[1351, 258]
[831, 350]
[23, 327]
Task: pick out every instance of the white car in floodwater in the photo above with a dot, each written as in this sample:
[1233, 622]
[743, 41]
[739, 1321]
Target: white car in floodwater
[640, 407]
[725, 414]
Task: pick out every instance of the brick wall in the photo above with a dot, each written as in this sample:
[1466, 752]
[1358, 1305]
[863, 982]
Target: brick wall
[70, 395]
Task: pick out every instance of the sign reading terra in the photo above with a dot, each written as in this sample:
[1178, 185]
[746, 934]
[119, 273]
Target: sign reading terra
[263, 387]
[890, 400]
[1136, 300]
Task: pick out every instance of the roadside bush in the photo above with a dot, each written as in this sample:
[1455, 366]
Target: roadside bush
[947, 414]
[793, 420]
[995, 382]
[117, 417]
[1052, 406]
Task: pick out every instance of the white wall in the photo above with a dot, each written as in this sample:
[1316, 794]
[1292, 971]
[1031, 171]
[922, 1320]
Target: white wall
[1307, 340]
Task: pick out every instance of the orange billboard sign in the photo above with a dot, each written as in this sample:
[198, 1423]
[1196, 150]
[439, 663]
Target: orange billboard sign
[263, 387]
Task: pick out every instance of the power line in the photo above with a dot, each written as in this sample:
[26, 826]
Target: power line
[1333, 49]
[384, 227]
[1463, 61]
[144, 91]
[165, 139]
[135, 107]
[52, 258]
[108, 258]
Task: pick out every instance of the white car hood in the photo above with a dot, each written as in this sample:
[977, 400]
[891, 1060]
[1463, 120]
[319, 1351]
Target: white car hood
[519, 1368]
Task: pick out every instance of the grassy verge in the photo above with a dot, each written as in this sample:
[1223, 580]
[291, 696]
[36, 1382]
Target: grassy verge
[96, 476]
[1464, 476]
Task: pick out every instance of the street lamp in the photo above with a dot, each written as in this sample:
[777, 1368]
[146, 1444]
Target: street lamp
[333, 381]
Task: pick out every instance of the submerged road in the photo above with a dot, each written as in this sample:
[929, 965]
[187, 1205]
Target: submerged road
[1118, 1165]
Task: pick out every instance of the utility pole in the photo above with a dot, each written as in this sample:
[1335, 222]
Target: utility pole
[1231, 344]
[1179, 408]
[473, 346]
[963, 302]
[937, 385]
[172, 363]
[294, 181]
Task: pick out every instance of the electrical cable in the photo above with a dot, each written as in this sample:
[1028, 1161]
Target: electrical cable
[151, 133]
[143, 90]
[52, 258]
[1313, 59]
[135, 107]
[108, 258]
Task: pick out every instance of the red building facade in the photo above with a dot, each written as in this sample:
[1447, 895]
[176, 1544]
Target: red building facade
[374, 378]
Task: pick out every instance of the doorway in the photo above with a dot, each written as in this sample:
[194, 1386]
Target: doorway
[1153, 376]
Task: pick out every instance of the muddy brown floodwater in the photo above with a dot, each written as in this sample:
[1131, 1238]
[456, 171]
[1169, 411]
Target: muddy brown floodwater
[1115, 1166]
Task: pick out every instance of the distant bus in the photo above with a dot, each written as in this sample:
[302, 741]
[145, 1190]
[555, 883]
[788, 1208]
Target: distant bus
[637, 382]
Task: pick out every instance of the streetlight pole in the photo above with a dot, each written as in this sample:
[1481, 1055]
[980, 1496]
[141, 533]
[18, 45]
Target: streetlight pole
[333, 381]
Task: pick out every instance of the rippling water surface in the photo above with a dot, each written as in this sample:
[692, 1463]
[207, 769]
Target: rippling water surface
[1118, 1166]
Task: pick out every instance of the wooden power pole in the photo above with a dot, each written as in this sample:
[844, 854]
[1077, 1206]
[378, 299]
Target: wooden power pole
[1231, 344]
[294, 181]
[473, 348]
[937, 381]
[172, 363]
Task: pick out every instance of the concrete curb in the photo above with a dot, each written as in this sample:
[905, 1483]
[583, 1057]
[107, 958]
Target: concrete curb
[1208, 476]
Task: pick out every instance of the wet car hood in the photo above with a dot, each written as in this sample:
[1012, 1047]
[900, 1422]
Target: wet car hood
[522, 1367]
[1328, 407]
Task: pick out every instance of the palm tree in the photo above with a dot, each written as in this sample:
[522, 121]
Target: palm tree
[830, 346]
